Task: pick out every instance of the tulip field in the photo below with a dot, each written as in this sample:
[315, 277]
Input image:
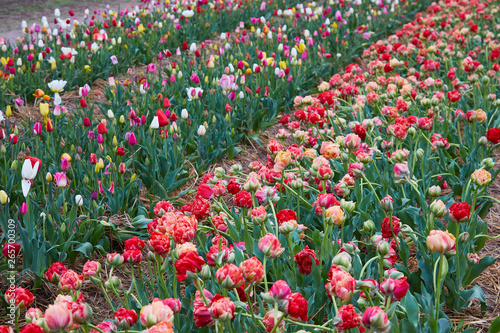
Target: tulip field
[251, 166]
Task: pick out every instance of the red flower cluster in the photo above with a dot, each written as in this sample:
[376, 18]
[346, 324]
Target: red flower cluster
[387, 231]
[243, 199]
[460, 212]
[286, 215]
[493, 135]
[188, 262]
[305, 259]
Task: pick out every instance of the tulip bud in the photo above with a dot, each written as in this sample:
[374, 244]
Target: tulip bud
[483, 141]
[219, 172]
[3, 197]
[473, 258]
[435, 191]
[412, 132]
[235, 169]
[205, 272]
[464, 237]
[114, 259]
[383, 248]
[387, 204]
[488, 163]
[343, 259]
[368, 226]
[48, 177]
[3, 150]
[287, 227]
[438, 208]
[86, 180]
[14, 165]
[297, 184]
[348, 206]
[63, 227]
[420, 153]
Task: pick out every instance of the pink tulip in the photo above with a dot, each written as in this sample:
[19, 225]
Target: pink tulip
[37, 129]
[64, 164]
[151, 68]
[58, 317]
[252, 269]
[375, 319]
[60, 178]
[70, 281]
[221, 308]
[401, 171]
[271, 246]
[24, 208]
[132, 140]
[229, 276]
[440, 241]
[155, 313]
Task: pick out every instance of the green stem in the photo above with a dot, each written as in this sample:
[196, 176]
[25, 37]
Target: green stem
[438, 284]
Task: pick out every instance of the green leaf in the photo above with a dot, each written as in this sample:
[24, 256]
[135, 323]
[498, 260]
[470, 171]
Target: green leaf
[478, 268]
[495, 326]
[85, 248]
[411, 307]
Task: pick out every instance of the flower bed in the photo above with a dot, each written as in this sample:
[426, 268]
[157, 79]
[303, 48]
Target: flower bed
[365, 216]
[141, 136]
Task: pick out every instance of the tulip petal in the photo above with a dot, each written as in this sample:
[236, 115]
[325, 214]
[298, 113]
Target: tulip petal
[26, 185]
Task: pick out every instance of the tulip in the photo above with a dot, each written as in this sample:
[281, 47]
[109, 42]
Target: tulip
[20, 297]
[201, 130]
[70, 281]
[132, 140]
[440, 241]
[229, 276]
[481, 177]
[58, 317]
[44, 109]
[64, 164]
[82, 312]
[375, 319]
[91, 268]
[352, 142]
[460, 212]
[57, 86]
[37, 129]
[33, 314]
[278, 292]
[335, 215]
[270, 246]
[221, 308]
[24, 208]
[438, 208]
[401, 171]
[252, 270]
[155, 313]
[4, 198]
[125, 318]
[61, 180]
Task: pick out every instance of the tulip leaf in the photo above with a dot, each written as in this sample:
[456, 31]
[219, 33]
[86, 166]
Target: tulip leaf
[478, 268]
[495, 326]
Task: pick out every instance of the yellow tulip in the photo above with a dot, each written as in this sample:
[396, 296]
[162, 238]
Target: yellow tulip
[66, 156]
[44, 109]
